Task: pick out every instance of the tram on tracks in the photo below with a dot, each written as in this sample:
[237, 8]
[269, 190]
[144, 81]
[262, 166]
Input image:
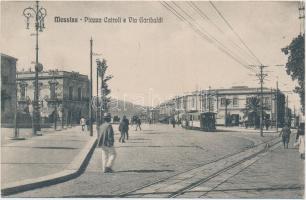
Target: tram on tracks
[200, 121]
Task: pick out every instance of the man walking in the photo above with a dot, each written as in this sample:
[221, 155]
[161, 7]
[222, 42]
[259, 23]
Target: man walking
[123, 128]
[106, 143]
[127, 123]
[285, 133]
[138, 123]
[83, 123]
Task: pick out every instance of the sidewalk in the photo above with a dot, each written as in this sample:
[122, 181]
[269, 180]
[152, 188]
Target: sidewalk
[55, 154]
[7, 134]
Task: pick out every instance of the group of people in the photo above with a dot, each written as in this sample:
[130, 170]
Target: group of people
[266, 123]
[299, 140]
[106, 139]
[137, 121]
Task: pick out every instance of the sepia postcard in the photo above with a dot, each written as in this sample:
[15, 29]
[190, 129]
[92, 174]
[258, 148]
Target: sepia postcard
[153, 99]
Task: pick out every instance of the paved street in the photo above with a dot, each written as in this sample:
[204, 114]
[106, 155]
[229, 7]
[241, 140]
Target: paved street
[159, 151]
[279, 174]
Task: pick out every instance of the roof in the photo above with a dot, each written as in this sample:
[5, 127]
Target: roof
[7, 56]
[49, 74]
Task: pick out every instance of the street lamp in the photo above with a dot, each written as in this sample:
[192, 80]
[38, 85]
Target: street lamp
[39, 13]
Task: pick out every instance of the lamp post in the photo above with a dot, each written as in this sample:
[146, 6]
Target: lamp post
[39, 13]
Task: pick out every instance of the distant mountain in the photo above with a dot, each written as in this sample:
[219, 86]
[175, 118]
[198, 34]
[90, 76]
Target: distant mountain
[120, 108]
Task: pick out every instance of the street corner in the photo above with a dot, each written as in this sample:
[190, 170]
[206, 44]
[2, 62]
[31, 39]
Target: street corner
[58, 167]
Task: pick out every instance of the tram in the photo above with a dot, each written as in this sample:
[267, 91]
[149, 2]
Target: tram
[199, 121]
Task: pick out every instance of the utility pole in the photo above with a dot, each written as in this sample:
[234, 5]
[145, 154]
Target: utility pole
[209, 103]
[90, 92]
[102, 96]
[97, 100]
[261, 76]
[271, 113]
[286, 111]
[55, 116]
[301, 16]
[225, 116]
[276, 108]
[16, 134]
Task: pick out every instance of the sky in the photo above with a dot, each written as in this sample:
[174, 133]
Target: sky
[154, 62]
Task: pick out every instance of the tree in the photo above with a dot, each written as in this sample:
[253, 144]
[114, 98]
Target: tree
[295, 67]
[105, 91]
[253, 111]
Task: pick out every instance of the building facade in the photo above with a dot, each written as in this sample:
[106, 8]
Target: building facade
[8, 88]
[63, 95]
[232, 106]
[235, 102]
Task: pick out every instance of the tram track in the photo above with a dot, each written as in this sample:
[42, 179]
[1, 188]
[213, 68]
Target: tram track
[185, 181]
[234, 169]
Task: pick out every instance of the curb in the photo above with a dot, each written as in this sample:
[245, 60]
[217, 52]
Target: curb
[245, 130]
[74, 169]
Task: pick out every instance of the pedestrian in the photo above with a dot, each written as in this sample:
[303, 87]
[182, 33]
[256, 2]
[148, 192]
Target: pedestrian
[106, 143]
[285, 133]
[127, 123]
[133, 121]
[267, 124]
[88, 124]
[246, 124]
[138, 123]
[83, 123]
[173, 122]
[123, 128]
[300, 140]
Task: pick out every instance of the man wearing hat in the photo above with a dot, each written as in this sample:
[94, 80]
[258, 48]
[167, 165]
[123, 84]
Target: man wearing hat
[106, 143]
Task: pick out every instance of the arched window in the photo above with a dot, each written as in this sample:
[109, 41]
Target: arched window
[23, 89]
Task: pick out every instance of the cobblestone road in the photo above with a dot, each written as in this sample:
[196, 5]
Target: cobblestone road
[156, 152]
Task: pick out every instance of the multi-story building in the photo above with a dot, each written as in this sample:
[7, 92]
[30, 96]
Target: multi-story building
[230, 105]
[8, 88]
[233, 103]
[163, 111]
[63, 93]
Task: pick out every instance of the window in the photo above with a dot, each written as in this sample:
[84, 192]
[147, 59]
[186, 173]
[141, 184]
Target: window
[267, 102]
[193, 103]
[52, 91]
[70, 93]
[79, 94]
[222, 101]
[22, 93]
[235, 102]
[204, 103]
[23, 89]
